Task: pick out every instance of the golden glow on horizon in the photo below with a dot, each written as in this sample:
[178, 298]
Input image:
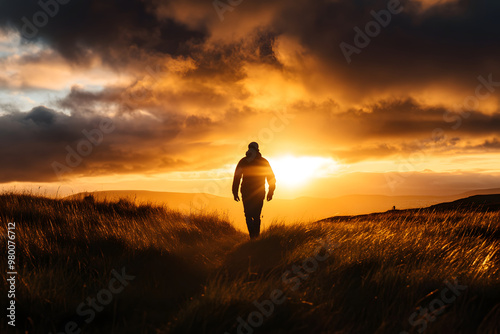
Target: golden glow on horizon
[294, 171]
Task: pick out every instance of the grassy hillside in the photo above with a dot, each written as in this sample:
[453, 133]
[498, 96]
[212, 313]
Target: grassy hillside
[432, 272]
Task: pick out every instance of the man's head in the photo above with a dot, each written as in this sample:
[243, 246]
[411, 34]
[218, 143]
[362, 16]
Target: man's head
[253, 146]
[253, 151]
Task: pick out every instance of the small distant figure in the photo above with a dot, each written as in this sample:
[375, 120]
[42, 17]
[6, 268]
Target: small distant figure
[255, 170]
[394, 208]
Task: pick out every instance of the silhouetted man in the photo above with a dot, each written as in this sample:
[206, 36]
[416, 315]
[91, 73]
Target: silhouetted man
[255, 170]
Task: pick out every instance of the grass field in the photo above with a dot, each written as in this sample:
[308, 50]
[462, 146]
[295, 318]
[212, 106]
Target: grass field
[116, 267]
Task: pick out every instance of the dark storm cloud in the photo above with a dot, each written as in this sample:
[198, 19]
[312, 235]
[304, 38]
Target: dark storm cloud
[82, 101]
[226, 59]
[448, 45]
[41, 115]
[454, 42]
[160, 101]
[131, 33]
[458, 40]
[32, 141]
[118, 31]
[407, 118]
[404, 120]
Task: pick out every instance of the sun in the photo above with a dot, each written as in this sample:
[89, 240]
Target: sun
[294, 171]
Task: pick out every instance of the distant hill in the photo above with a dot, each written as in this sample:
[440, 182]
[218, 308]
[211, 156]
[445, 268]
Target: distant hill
[290, 210]
[477, 202]
[492, 191]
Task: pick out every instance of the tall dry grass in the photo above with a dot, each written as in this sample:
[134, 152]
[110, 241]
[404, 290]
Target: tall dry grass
[198, 274]
[382, 270]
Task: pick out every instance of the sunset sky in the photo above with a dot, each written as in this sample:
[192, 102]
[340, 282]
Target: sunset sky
[172, 92]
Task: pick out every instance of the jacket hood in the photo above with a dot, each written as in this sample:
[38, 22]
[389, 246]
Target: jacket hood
[252, 154]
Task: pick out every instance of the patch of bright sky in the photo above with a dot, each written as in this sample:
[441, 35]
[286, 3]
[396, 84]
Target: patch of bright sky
[421, 162]
[11, 45]
[294, 171]
[62, 77]
[22, 100]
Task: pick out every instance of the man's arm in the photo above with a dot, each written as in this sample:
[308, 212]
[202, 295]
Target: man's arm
[236, 181]
[271, 181]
